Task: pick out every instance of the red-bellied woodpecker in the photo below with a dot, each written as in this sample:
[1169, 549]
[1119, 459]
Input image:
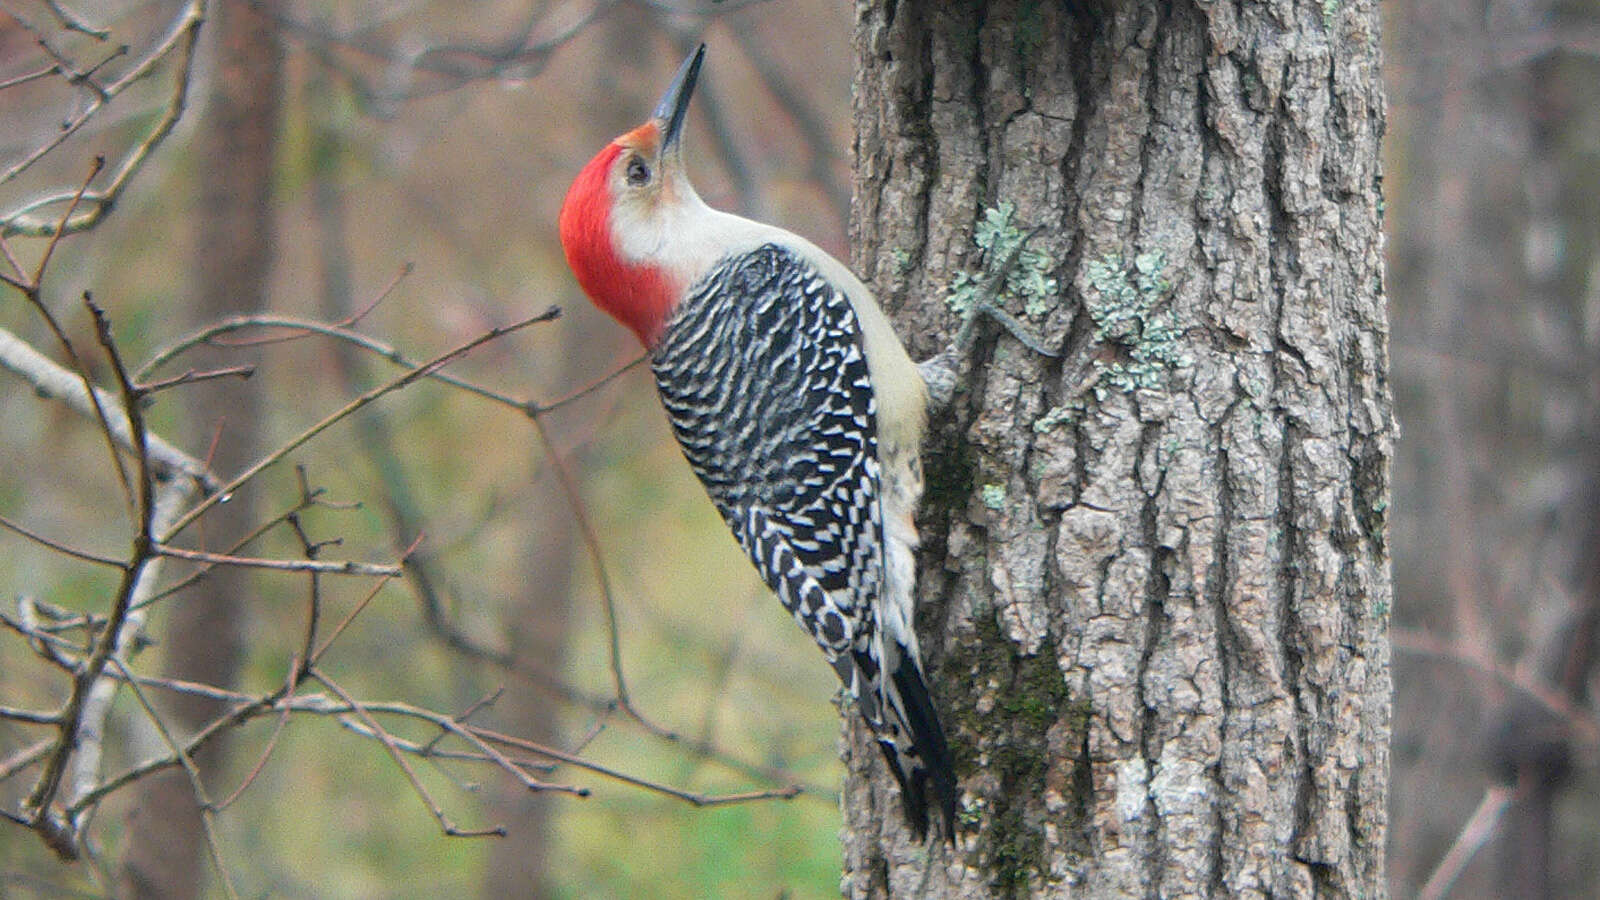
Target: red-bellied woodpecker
[796, 406]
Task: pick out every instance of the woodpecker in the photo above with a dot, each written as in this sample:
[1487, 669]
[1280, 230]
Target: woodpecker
[795, 404]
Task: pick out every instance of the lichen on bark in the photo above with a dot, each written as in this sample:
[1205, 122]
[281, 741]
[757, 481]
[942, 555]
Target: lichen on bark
[1155, 577]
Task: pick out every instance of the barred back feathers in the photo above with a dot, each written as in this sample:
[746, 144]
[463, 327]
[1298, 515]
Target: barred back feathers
[763, 376]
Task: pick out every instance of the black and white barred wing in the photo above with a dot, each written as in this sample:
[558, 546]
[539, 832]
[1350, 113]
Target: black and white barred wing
[763, 373]
[764, 379]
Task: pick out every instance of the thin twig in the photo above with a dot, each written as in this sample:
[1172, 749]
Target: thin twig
[34, 291]
[28, 716]
[70, 21]
[691, 797]
[51, 380]
[248, 707]
[455, 64]
[591, 540]
[314, 584]
[133, 408]
[302, 327]
[192, 377]
[342, 567]
[1477, 831]
[182, 34]
[238, 545]
[345, 324]
[292, 677]
[344, 623]
[431, 751]
[448, 826]
[49, 646]
[455, 725]
[30, 76]
[534, 409]
[341, 331]
[1583, 723]
[59, 547]
[22, 759]
[208, 816]
[410, 377]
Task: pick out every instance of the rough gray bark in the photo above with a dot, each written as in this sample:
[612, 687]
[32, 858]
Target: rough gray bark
[1155, 582]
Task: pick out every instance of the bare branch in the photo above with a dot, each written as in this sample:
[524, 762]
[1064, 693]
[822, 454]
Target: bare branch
[454, 65]
[209, 335]
[80, 724]
[46, 72]
[691, 797]
[22, 759]
[312, 658]
[1477, 831]
[208, 816]
[534, 409]
[132, 407]
[194, 377]
[608, 600]
[52, 381]
[295, 673]
[32, 288]
[1422, 643]
[453, 725]
[59, 547]
[70, 21]
[28, 716]
[410, 377]
[182, 36]
[305, 502]
[249, 707]
[445, 823]
[343, 567]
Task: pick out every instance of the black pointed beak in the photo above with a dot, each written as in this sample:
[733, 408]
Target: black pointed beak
[675, 102]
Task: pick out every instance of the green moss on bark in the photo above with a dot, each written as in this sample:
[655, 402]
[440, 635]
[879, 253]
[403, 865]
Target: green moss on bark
[1011, 731]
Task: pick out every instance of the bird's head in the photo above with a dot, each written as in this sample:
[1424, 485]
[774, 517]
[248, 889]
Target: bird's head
[624, 211]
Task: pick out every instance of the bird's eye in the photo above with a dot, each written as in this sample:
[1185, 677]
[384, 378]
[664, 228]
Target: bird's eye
[638, 172]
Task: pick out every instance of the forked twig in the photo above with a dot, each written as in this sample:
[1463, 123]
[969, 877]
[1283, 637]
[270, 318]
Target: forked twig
[408, 378]
[208, 815]
[182, 35]
[446, 824]
[340, 567]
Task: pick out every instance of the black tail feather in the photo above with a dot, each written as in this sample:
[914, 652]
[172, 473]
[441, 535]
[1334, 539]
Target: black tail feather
[925, 770]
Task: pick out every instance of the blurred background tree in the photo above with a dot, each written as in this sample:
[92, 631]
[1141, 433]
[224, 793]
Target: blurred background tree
[409, 134]
[1494, 254]
[234, 246]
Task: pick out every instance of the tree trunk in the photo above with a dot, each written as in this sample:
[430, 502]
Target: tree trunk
[1155, 578]
[540, 625]
[203, 638]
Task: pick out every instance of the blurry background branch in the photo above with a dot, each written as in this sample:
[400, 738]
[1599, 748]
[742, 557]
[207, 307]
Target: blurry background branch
[54, 382]
[1495, 271]
[96, 87]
